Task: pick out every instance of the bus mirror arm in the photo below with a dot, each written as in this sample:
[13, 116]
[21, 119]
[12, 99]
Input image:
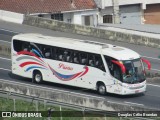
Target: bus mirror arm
[120, 65]
[147, 62]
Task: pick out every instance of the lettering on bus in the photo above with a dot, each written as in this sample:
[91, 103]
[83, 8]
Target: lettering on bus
[65, 67]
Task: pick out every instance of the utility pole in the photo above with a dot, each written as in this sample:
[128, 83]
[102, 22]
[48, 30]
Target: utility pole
[116, 17]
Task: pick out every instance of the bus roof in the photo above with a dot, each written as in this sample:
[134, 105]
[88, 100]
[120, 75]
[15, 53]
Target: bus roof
[116, 52]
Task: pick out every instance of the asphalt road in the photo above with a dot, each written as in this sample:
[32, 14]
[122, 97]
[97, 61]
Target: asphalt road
[150, 99]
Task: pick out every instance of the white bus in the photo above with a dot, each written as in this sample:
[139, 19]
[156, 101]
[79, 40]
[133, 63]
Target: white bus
[82, 63]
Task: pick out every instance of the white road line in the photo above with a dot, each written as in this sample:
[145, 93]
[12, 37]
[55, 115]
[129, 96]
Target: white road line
[155, 70]
[5, 41]
[5, 58]
[151, 57]
[134, 103]
[8, 30]
[5, 69]
[154, 85]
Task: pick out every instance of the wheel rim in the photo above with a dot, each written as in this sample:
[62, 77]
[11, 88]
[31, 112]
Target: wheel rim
[102, 89]
[38, 77]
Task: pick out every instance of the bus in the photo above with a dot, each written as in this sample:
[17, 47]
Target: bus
[82, 63]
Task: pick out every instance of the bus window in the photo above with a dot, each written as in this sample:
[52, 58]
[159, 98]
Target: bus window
[36, 49]
[83, 58]
[91, 60]
[25, 46]
[75, 57]
[46, 50]
[60, 53]
[17, 45]
[67, 56]
[54, 56]
[99, 63]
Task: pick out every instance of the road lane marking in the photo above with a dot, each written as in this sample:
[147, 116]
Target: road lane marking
[5, 41]
[5, 58]
[8, 30]
[5, 69]
[154, 85]
[154, 69]
[151, 58]
[134, 103]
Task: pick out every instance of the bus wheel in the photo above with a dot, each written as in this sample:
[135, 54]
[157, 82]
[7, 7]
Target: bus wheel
[37, 77]
[101, 89]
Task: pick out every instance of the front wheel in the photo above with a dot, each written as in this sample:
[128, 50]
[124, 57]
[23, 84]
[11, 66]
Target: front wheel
[37, 77]
[101, 89]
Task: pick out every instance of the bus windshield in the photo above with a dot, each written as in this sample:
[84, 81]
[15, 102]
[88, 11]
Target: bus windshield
[134, 71]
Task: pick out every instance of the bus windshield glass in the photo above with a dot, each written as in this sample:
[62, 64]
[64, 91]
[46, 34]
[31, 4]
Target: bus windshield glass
[134, 71]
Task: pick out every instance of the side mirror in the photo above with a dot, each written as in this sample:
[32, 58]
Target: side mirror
[120, 65]
[147, 62]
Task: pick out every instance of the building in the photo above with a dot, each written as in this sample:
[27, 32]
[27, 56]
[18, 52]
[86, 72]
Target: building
[129, 11]
[83, 12]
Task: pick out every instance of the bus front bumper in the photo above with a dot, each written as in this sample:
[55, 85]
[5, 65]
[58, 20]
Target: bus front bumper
[134, 90]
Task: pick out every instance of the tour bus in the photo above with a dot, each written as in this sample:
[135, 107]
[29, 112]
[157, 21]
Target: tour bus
[82, 63]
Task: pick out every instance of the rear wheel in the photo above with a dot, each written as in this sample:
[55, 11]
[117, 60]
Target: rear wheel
[37, 77]
[101, 88]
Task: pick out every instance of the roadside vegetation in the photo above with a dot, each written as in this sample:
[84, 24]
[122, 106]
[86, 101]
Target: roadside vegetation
[7, 104]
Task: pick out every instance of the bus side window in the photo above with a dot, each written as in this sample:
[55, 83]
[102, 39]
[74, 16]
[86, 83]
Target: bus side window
[59, 53]
[67, 55]
[36, 49]
[46, 50]
[99, 63]
[25, 46]
[91, 60]
[17, 45]
[54, 56]
[83, 58]
[75, 57]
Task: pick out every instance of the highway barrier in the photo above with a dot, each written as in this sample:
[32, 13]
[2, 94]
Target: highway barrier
[67, 97]
[91, 31]
[5, 49]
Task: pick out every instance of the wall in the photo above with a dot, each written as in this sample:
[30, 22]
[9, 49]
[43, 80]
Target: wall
[67, 16]
[11, 17]
[152, 14]
[130, 14]
[78, 16]
[91, 31]
[66, 97]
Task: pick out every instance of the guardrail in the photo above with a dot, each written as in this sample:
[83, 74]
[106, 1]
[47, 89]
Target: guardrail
[84, 110]
[67, 97]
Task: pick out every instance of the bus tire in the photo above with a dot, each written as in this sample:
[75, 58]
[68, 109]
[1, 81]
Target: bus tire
[101, 88]
[37, 76]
